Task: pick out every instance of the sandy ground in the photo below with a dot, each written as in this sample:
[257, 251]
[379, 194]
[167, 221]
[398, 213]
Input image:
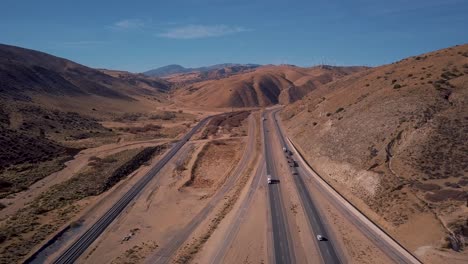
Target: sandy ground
[161, 212]
[94, 207]
[19, 200]
[242, 235]
[158, 212]
[224, 237]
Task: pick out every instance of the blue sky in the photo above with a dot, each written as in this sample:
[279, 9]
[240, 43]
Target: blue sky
[141, 35]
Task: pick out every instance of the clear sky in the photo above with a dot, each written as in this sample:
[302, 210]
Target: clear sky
[141, 35]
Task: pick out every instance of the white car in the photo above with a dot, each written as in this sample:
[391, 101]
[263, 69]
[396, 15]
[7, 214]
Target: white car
[320, 238]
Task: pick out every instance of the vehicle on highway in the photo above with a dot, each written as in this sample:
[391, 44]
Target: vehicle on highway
[269, 180]
[320, 238]
[285, 149]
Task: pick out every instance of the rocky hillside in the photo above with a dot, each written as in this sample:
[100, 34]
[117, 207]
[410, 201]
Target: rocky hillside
[264, 86]
[393, 139]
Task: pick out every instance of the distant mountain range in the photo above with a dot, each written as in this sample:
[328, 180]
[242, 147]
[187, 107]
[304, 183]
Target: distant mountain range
[176, 69]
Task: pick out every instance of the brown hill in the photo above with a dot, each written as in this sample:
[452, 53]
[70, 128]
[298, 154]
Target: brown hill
[146, 84]
[264, 86]
[393, 139]
[33, 76]
[24, 72]
[181, 79]
[47, 102]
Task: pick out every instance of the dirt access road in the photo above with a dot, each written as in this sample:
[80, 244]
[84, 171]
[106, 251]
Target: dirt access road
[165, 253]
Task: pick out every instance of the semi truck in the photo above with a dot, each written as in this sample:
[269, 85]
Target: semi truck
[270, 181]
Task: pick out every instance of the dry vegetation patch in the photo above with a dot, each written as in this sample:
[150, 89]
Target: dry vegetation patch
[159, 115]
[188, 252]
[225, 123]
[213, 163]
[136, 254]
[27, 228]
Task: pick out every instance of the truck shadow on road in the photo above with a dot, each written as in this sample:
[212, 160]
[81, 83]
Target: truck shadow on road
[275, 181]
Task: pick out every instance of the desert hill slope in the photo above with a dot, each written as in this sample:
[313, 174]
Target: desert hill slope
[393, 139]
[26, 71]
[208, 73]
[178, 69]
[51, 107]
[28, 76]
[264, 86]
[151, 84]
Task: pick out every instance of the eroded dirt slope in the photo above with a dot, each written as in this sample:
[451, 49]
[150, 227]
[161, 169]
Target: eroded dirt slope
[393, 140]
[265, 86]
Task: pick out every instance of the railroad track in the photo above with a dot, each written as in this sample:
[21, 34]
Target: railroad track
[74, 251]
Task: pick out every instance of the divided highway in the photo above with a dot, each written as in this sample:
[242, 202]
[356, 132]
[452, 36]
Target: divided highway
[84, 241]
[283, 251]
[327, 250]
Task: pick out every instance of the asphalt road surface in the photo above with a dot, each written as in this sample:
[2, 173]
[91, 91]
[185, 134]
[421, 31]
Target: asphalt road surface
[327, 250]
[283, 251]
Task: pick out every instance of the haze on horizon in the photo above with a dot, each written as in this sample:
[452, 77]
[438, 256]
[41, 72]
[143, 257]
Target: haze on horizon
[138, 37]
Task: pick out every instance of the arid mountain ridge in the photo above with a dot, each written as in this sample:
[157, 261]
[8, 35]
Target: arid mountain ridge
[264, 86]
[178, 69]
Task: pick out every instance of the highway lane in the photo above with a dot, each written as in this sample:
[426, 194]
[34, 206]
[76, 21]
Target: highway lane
[165, 254]
[73, 252]
[328, 252]
[283, 251]
[378, 237]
